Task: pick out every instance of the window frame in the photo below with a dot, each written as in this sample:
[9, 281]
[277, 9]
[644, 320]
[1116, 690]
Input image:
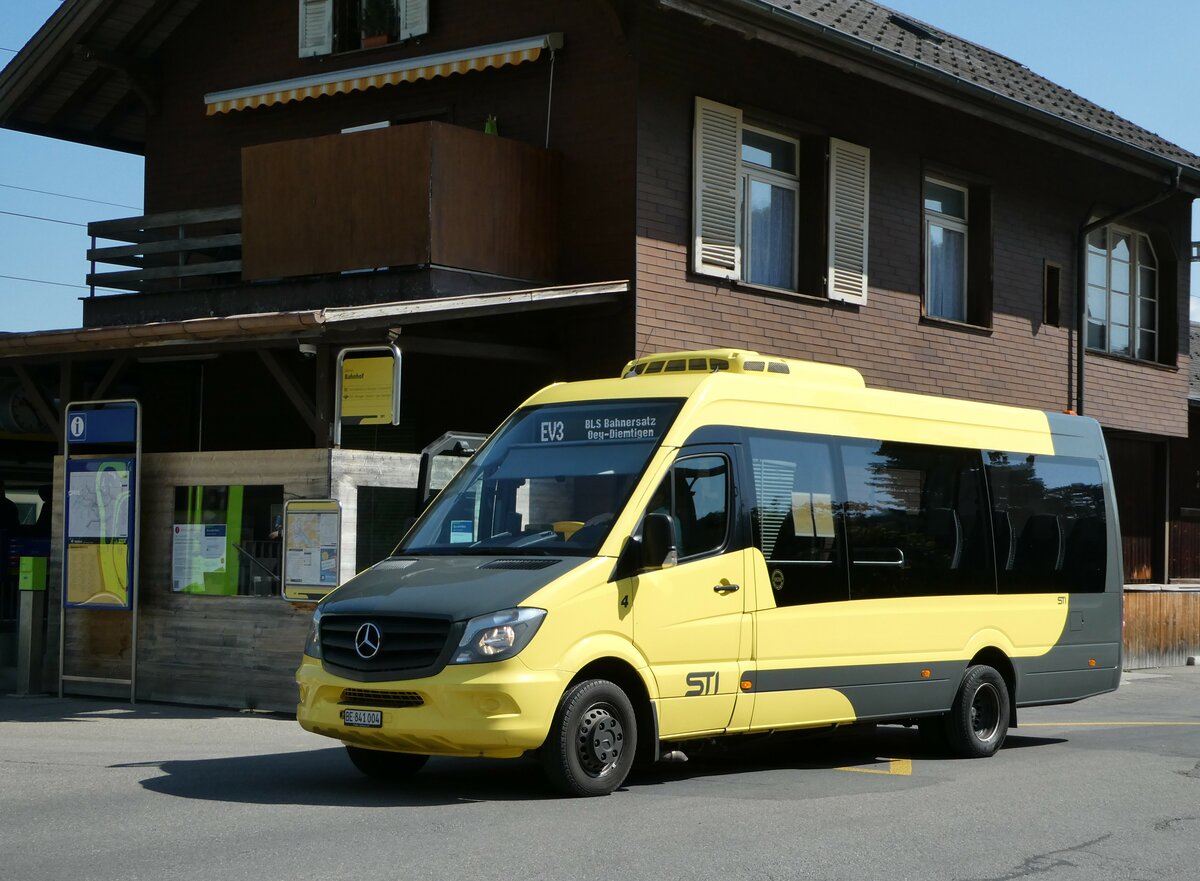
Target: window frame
[961, 225]
[334, 27]
[752, 172]
[1136, 238]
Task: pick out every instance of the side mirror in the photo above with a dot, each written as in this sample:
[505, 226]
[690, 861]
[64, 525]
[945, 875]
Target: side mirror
[655, 549]
[658, 542]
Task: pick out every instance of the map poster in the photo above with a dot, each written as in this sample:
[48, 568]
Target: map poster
[311, 548]
[99, 524]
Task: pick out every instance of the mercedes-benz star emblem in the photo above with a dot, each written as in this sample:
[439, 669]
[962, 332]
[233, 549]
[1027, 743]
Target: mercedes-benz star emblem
[367, 641]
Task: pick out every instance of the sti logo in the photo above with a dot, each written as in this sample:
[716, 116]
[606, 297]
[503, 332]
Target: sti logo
[78, 427]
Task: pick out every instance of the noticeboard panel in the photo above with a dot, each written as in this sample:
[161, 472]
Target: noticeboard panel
[312, 530]
[100, 526]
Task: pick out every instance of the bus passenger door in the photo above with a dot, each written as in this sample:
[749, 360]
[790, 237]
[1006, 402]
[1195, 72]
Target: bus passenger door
[688, 618]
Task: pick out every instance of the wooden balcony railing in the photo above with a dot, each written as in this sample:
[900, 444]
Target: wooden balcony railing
[172, 251]
[420, 194]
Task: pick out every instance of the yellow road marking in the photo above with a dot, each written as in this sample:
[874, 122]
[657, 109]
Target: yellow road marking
[900, 767]
[1096, 724]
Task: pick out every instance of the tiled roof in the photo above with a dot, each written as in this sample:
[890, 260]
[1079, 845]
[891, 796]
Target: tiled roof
[941, 52]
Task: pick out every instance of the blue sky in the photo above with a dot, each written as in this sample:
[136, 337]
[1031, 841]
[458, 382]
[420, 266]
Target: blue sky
[1141, 61]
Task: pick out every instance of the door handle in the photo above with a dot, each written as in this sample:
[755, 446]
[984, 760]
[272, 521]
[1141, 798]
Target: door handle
[726, 587]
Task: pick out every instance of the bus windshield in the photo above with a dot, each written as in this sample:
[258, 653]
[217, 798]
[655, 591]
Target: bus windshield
[551, 481]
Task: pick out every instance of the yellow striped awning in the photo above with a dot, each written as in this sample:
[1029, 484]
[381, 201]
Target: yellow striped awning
[390, 73]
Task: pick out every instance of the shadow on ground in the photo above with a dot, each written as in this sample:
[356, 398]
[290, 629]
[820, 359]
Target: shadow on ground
[325, 777]
[44, 708]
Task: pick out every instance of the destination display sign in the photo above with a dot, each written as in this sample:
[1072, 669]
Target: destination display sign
[601, 423]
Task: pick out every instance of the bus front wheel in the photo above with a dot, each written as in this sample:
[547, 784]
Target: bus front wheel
[978, 718]
[592, 742]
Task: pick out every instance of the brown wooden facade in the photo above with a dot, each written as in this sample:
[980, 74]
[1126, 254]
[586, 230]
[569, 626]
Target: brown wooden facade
[404, 195]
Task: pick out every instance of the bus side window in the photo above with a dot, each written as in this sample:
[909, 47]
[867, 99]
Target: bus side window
[915, 520]
[1049, 519]
[696, 495]
[701, 504]
[797, 517]
[1084, 557]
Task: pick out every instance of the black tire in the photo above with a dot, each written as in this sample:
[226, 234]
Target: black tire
[978, 720]
[383, 765]
[592, 741]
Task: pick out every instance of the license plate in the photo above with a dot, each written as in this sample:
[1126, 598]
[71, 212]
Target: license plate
[362, 718]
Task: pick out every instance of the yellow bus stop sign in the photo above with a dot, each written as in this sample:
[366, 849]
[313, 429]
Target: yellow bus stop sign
[369, 389]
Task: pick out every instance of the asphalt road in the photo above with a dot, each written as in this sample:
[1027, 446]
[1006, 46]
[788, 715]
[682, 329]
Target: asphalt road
[1105, 789]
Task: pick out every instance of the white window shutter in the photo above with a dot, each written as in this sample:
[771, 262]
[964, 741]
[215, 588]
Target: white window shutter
[414, 18]
[716, 217]
[316, 27]
[849, 209]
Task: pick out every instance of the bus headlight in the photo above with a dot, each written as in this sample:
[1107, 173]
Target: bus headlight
[498, 636]
[312, 645]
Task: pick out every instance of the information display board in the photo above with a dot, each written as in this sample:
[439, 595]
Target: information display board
[101, 517]
[99, 528]
[197, 553]
[312, 541]
[368, 391]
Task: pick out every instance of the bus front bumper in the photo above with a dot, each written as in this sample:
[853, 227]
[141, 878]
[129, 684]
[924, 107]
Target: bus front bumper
[498, 710]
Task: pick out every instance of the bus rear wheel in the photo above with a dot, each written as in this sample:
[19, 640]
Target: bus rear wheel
[383, 765]
[592, 742]
[978, 720]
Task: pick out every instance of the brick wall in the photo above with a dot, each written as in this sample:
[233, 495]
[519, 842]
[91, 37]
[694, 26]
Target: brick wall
[1039, 193]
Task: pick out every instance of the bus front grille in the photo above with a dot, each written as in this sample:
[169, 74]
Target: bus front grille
[376, 647]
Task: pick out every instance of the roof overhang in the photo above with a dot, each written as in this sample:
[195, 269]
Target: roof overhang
[86, 75]
[307, 324]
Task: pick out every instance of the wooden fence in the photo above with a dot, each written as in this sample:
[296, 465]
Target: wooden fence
[1162, 627]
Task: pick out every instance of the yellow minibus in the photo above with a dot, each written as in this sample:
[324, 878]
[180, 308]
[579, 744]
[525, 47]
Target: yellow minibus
[724, 543]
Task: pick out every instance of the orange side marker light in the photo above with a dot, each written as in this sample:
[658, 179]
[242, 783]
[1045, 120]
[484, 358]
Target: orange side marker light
[925, 674]
[747, 685]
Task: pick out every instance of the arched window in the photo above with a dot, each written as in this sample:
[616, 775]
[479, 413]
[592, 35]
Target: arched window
[1122, 294]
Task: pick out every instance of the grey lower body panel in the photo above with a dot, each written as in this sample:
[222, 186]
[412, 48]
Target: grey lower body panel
[1050, 679]
[875, 691]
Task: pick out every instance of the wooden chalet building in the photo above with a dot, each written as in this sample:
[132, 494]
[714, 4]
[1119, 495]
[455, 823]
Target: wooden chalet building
[522, 191]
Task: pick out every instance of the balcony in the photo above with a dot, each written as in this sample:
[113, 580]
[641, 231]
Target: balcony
[426, 196]
[171, 251]
[411, 195]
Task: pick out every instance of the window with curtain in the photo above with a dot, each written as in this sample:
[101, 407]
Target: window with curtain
[1122, 294]
[788, 212]
[945, 210]
[769, 186]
